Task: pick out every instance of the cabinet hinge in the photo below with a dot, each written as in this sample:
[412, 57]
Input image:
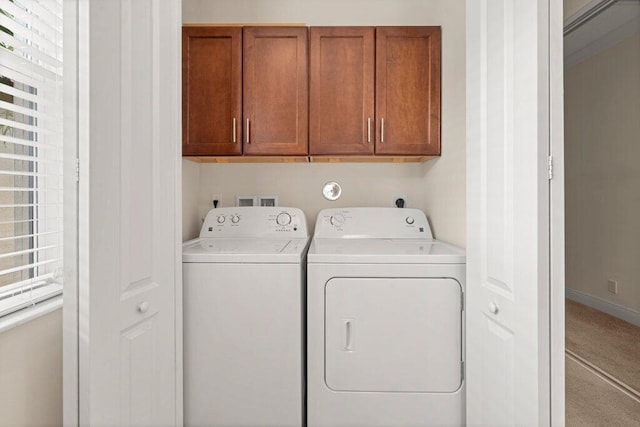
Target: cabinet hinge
[550, 167]
[77, 170]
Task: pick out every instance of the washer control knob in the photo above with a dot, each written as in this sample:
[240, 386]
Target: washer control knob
[235, 219]
[221, 219]
[410, 220]
[283, 219]
[336, 220]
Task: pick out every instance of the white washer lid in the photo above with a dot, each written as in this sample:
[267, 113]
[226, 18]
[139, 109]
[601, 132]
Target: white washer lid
[244, 250]
[384, 251]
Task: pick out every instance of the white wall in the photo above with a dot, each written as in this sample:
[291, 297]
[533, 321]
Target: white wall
[602, 152]
[437, 186]
[301, 184]
[31, 373]
[190, 185]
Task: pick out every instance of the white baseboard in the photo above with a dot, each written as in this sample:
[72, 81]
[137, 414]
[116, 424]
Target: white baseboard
[615, 310]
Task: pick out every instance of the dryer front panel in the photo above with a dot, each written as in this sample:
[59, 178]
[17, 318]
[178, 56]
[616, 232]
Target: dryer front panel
[393, 334]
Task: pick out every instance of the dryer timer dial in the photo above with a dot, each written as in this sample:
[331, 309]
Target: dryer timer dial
[336, 220]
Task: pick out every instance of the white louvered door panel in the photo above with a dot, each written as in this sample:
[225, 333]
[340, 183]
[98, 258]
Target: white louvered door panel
[129, 245]
[508, 213]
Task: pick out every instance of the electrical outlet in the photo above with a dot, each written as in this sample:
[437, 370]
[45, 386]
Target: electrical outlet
[246, 201]
[399, 201]
[267, 200]
[612, 286]
[215, 200]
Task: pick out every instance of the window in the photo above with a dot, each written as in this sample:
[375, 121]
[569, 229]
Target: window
[30, 152]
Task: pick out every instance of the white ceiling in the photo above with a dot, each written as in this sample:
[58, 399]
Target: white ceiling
[598, 26]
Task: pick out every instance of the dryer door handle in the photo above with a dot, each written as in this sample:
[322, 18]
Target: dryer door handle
[348, 335]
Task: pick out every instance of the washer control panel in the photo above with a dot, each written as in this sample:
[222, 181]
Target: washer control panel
[372, 223]
[262, 221]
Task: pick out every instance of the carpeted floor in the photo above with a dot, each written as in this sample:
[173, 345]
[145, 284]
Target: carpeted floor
[592, 401]
[604, 341]
[602, 369]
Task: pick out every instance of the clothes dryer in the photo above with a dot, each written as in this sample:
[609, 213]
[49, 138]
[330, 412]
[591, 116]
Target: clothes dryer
[385, 316]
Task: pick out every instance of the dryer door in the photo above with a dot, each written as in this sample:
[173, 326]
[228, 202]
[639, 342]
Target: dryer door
[393, 335]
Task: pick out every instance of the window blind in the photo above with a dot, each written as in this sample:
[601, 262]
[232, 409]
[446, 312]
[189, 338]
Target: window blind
[30, 152]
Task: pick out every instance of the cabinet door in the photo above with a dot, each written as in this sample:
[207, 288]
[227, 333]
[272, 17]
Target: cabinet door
[341, 83]
[408, 90]
[275, 90]
[211, 90]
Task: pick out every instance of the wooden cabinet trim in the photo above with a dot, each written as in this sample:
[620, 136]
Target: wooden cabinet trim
[309, 159]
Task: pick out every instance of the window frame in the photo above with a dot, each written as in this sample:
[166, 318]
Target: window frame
[44, 281]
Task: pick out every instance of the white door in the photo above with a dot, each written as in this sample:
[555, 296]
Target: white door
[508, 140]
[128, 119]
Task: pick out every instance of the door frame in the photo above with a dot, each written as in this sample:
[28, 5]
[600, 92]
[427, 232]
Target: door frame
[76, 203]
[556, 207]
[75, 132]
[71, 129]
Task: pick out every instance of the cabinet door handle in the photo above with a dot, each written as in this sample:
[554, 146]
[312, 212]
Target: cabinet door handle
[381, 130]
[248, 140]
[369, 129]
[234, 130]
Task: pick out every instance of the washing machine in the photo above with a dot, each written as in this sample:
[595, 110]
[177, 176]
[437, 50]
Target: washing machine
[243, 296]
[385, 316]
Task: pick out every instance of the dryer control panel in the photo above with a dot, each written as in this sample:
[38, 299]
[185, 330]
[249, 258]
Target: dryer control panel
[262, 221]
[372, 223]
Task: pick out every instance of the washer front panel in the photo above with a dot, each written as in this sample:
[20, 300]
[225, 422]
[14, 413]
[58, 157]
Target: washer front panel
[243, 345]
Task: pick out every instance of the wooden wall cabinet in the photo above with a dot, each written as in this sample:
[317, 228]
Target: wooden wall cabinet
[211, 90]
[245, 90]
[365, 93]
[408, 90]
[341, 109]
[276, 92]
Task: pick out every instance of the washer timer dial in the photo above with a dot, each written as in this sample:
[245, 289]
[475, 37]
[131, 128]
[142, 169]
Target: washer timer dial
[283, 219]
